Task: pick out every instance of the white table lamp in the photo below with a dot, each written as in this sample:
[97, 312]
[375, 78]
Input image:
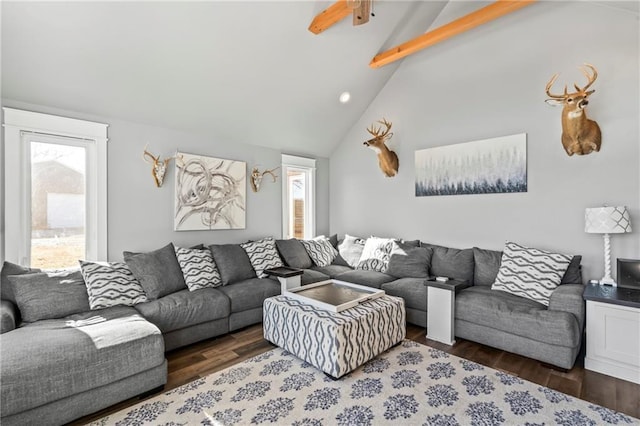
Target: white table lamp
[607, 220]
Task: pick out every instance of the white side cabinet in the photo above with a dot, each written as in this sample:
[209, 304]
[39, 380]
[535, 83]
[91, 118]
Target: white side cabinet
[613, 333]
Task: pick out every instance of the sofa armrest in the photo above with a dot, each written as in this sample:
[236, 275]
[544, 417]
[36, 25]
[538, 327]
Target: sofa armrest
[8, 316]
[568, 298]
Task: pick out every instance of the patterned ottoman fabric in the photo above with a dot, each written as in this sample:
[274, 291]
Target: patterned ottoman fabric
[335, 343]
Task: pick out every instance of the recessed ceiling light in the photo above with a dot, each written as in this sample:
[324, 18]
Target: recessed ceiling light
[344, 97]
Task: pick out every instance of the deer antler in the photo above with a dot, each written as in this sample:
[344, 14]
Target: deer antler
[548, 89]
[376, 131]
[591, 78]
[270, 172]
[146, 154]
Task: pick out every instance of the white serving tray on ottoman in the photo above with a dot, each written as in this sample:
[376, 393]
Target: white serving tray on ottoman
[333, 295]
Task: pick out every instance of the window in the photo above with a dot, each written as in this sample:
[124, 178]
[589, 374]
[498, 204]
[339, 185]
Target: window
[55, 190]
[298, 197]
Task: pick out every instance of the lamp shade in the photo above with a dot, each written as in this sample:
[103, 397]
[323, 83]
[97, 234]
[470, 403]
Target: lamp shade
[607, 220]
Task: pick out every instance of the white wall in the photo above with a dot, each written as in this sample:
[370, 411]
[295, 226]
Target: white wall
[140, 216]
[490, 82]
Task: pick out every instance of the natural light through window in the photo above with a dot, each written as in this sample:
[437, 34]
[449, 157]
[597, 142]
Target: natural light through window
[298, 213]
[58, 213]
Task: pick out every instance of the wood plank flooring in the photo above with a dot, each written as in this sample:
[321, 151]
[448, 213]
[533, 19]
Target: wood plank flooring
[209, 356]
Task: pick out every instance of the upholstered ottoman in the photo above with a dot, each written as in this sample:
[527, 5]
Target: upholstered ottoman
[335, 343]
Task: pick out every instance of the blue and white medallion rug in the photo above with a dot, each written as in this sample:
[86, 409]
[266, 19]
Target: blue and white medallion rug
[410, 384]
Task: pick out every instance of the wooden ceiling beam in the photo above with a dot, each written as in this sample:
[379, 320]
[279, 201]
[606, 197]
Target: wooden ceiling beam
[330, 16]
[453, 28]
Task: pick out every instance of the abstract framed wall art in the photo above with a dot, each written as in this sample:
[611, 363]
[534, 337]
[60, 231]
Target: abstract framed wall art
[210, 193]
[496, 165]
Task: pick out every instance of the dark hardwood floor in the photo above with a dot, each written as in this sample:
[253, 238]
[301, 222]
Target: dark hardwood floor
[216, 354]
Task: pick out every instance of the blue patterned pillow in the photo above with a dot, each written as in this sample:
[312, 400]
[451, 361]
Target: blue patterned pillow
[320, 251]
[111, 284]
[530, 273]
[198, 268]
[262, 255]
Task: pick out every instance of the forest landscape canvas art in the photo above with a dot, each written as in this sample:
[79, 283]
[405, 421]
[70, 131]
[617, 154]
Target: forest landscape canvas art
[210, 193]
[497, 165]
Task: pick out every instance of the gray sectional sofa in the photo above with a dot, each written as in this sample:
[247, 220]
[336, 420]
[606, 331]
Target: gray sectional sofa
[60, 361]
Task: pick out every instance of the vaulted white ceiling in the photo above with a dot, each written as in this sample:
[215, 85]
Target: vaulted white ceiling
[239, 71]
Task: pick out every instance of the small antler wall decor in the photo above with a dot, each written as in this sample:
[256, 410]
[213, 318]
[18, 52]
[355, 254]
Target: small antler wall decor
[580, 135]
[159, 166]
[387, 159]
[257, 175]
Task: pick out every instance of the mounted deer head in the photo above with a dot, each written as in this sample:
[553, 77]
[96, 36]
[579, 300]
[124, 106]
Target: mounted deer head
[580, 135]
[159, 166]
[387, 159]
[257, 175]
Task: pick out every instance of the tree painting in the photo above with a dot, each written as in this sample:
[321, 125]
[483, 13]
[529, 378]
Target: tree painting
[487, 166]
[210, 193]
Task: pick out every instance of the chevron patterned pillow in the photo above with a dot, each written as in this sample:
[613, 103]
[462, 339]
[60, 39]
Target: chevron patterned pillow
[263, 255]
[320, 250]
[111, 284]
[198, 268]
[530, 273]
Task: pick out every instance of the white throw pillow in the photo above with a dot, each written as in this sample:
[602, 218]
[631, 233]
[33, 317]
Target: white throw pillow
[320, 250]
[263, 255]
[198, 268]
[530, 273]
[375, 254]
[351, 249]
[111, 284]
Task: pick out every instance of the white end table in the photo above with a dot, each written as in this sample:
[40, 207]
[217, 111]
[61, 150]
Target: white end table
[289, 277]
[441, 301]
[613, 331]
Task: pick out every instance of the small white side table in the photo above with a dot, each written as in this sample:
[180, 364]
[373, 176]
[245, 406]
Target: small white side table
[613, 331]
[289, 277]
[441, 300]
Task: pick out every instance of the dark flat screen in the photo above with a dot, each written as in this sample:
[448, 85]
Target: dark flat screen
[629, 273]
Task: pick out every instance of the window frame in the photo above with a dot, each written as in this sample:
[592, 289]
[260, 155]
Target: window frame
[308, 167]
[17, 185]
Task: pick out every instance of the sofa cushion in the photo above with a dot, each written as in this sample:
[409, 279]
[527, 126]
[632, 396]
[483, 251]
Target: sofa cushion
[49, 295]
[232, 262]
[53, 359]
[311, 276]
[350, 250]
[516, 315]
[332, 270]
[185, 308]
[9, 268]
[451, 262]
[365, 277]
[262, 255]
[375, 254]
[406, 261]
[412, 290]
[574, 272]
[198, 268]
[249, 294]
[8, 316]
[293, 253]
[530, 272]
[111, 284]
[487, 264]
[320, 250]
[157, 271]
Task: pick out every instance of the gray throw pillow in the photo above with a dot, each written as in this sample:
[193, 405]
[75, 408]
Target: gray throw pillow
[42, 295]
[158, 271]
[574, 272]
[111, 284]
[294, 254]
[487, 264]
[451, 262]
[8, 268]
[407, 261]
[232, 262]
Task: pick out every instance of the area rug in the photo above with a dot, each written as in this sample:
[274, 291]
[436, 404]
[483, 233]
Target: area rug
[410, 384]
